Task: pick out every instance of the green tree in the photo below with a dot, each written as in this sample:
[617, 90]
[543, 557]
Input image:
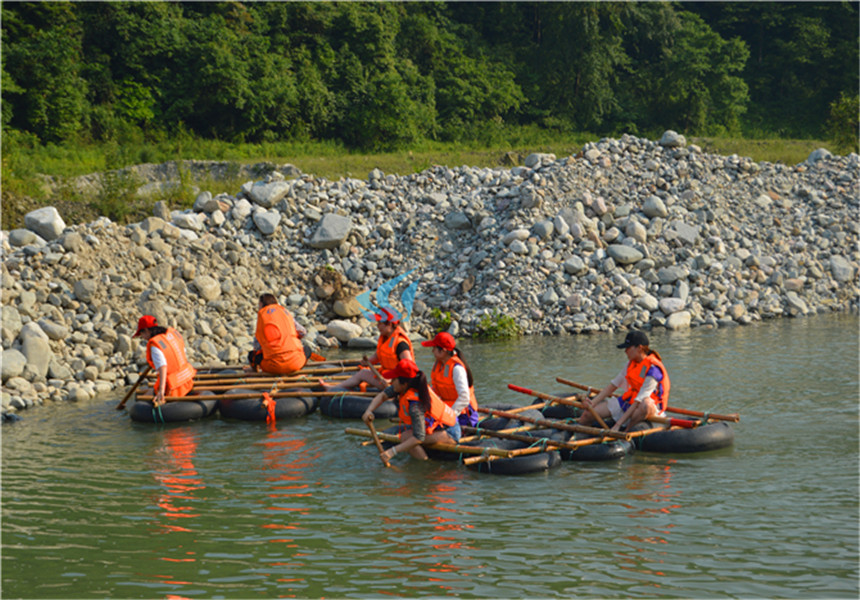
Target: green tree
[42, 52]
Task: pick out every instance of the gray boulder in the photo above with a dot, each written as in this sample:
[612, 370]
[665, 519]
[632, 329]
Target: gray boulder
[332, 230]
[46, 222]
[13, 364]
[672, 139]
[267, 221]
[624, 255]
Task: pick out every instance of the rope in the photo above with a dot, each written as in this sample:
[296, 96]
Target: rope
[704, 419]
[269, 404]
[156, 414]
[540, 442]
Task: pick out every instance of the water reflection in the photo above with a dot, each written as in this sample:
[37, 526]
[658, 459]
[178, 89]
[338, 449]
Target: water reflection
[175, 472]
[432, 543]
[287, 463]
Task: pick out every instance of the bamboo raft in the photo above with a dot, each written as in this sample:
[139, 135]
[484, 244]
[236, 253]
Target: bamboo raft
[535, 440]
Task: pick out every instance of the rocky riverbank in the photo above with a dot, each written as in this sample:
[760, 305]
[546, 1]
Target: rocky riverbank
[627, 233]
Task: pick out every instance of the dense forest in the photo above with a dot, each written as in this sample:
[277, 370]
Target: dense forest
[380, 75]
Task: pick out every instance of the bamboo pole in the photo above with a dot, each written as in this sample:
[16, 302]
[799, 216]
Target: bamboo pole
[197, 398]
[134, 387]
[455, 448]
[254, 386]
[734, 417]
[673, 422]
[557, 424]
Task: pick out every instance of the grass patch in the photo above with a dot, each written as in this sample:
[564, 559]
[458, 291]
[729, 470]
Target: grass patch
[787, 152]
[25, 163]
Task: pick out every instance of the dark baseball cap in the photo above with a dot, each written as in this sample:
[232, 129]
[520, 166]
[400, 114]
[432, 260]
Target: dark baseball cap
[634, 338]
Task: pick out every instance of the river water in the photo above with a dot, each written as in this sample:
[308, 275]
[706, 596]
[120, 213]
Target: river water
[96, 506]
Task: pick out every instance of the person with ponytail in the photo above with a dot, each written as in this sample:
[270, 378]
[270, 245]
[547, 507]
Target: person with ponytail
[425, 418]
[647, 393]
[452, 379]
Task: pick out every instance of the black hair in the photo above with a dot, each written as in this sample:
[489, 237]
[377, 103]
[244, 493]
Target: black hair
[157, 330]
[459, 354]
[267, 299]
[419, 384]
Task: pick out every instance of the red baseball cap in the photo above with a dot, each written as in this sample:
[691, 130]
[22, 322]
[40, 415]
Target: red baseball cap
[145, 322]
[405, 368]
[442, 340]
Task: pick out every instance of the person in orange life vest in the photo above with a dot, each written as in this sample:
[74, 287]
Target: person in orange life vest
[277, 345]
[393, 346]
[165, 352]
[452, 379]
[648, 384]
[428, 419]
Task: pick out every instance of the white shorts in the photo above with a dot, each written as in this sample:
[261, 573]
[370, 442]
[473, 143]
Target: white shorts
[617, 407]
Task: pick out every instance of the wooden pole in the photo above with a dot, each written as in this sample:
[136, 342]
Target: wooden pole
[455, 448]
[143, 375]
[199, 397]
[378, 444]
[590, 408]
[734, 417]
[672, 422]
[556, 424]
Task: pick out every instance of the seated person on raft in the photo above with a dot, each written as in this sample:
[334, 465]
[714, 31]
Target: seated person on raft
[647, 393]
[165, 353]
[425, 418]
[452, 379]
[393, 346]
[277, 345]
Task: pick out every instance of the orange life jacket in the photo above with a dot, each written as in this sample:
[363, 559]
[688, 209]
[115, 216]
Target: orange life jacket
[283, 352]
[439, 413]
[180, 373]
[636, 373]
[442, 380]
[386, 350]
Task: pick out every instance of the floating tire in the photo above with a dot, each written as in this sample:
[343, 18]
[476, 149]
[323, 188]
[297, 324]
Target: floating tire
[518, 465]
[347, 406]
[712, 436]
[252, 409]
[172, 412]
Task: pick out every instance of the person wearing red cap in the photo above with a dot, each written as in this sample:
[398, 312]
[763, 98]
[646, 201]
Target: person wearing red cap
[427, 419]
[277, 339]
[393, 346]
[165, 353]
[452, 379]
[647, 381]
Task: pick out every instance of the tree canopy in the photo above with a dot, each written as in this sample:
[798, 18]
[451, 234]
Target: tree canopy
[376, 75]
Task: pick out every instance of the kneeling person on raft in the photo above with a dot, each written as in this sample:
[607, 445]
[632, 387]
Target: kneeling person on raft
[647, 393]
[165, 353]
[277, 345]
[428, 420]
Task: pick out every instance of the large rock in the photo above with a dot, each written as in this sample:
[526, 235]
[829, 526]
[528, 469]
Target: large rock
[207, 287]
[13, 364]
[679, 320]
[331, 232]
[267, 194]
[842, 270]
[457, 220]
[347, 308]
[267, 221]
[24, 237]
[672, 139]
[46, 222]
[624, 255]
[654, 207]
[343, 330]
[85, 290]
[38, 352]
